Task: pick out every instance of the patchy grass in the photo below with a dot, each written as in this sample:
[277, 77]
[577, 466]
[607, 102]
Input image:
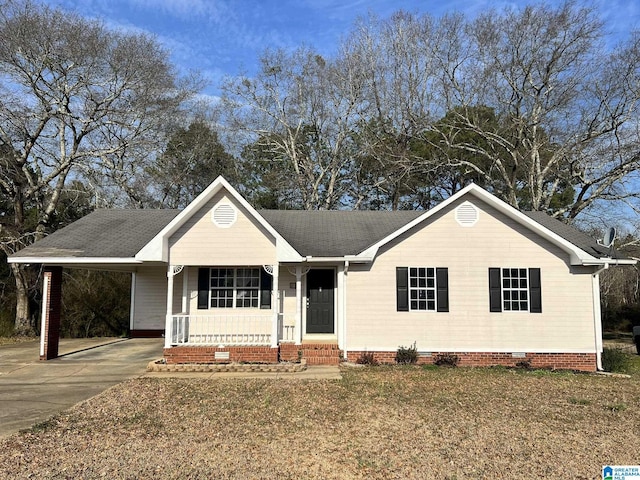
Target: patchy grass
[10, 340]
[381, 423]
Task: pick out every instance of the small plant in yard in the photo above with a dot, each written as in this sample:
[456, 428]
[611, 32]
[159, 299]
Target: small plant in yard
[615, 360]
[524, 364]
[616, 407]
[367, 358]
[579, 401]
[407, 355]
[446, 360]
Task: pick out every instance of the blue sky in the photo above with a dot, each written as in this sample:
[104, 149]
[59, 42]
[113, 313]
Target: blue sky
[225, 37]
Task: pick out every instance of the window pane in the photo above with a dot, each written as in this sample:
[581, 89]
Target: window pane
[422, 285]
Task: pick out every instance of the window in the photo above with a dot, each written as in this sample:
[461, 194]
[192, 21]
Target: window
[247, 287]
[422, 288]
[515, 290]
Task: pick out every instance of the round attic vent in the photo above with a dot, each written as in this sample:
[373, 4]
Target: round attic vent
[224, 215]
[467, 215]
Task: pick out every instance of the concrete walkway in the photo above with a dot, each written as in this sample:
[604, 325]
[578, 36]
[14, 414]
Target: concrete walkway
[31, 390]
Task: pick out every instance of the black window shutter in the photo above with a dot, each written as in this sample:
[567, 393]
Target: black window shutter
[495, 290]
[203, 288]
[266, 283]
[442, 287]
[402, 289]
[535, 291]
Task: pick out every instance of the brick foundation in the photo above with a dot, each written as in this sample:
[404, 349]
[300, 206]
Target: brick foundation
[177, 355]
[562, 361]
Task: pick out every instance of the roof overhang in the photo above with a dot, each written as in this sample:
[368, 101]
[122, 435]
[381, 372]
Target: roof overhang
[75, 260]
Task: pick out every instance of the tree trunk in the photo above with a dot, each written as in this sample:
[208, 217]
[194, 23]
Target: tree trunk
[23, 324]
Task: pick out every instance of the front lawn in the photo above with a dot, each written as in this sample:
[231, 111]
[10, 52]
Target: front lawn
[382, 423]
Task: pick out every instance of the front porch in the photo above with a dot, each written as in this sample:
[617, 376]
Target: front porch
[300, 315]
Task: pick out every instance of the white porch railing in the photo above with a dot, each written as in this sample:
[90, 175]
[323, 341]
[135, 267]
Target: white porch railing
[287, 328]
[221, 329]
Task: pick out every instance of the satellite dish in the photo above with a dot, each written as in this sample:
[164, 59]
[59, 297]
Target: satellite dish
[609, 237]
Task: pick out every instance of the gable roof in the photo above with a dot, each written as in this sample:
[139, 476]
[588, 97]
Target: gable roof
[555, 234]
[157, 249]
[136, 236]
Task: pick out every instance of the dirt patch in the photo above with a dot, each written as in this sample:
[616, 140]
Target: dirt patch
[380, 423]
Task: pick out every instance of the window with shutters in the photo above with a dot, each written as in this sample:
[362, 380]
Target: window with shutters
[422, 288]
[515, 290]
[239, 287]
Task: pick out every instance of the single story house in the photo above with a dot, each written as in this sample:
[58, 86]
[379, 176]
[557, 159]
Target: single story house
[223, 281]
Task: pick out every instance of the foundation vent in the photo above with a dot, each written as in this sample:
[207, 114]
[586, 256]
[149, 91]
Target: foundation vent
[467, 215]
[224, 215]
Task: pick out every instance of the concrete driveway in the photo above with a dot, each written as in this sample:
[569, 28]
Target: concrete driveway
[31, 390]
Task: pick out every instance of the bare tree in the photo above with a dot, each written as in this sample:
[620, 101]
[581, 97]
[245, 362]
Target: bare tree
[300, 110]
[565, 104]
[75, 97]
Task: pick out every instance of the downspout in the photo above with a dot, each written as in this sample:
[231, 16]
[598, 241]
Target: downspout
[597, 315]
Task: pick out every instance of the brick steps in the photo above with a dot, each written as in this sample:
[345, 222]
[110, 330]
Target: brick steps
[313, 353]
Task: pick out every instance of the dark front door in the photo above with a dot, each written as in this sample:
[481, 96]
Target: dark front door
[320, 285]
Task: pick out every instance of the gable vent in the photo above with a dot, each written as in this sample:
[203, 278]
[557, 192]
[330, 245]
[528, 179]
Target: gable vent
[224, 215]
[467, 215]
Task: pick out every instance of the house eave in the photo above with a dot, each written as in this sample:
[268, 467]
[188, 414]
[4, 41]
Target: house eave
[75, 260]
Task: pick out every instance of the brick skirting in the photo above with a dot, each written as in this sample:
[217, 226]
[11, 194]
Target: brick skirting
[177, 355]
[563, 361]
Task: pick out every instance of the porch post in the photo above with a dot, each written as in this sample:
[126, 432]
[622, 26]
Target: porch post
[276, 306]
[50, 321]
[341, 306]
[168, 334]
[298, 305]
[185, 290]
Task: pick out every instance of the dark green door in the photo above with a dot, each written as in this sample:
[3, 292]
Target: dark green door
[320, 285]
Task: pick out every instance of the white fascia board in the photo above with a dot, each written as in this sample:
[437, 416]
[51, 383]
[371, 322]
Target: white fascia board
[158, 248]
[576, 254]
[610, 261]
[346, 258]
[286, 253]
[74, 260]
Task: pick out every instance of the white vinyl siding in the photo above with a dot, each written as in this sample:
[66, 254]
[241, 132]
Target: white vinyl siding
[564, 325]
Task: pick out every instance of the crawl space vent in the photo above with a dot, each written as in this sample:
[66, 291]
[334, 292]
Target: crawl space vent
[467, 215]
[224, 215]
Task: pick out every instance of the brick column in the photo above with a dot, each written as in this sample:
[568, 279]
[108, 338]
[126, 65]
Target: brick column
[50, 320]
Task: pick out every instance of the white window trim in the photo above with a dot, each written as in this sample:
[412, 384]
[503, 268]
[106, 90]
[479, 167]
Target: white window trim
[434, 289]
[234, 289]
[526, 289]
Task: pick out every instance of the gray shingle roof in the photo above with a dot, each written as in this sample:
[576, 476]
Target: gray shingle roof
[334, 233]
[122, 233]
[103, 233]
[573, 235]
